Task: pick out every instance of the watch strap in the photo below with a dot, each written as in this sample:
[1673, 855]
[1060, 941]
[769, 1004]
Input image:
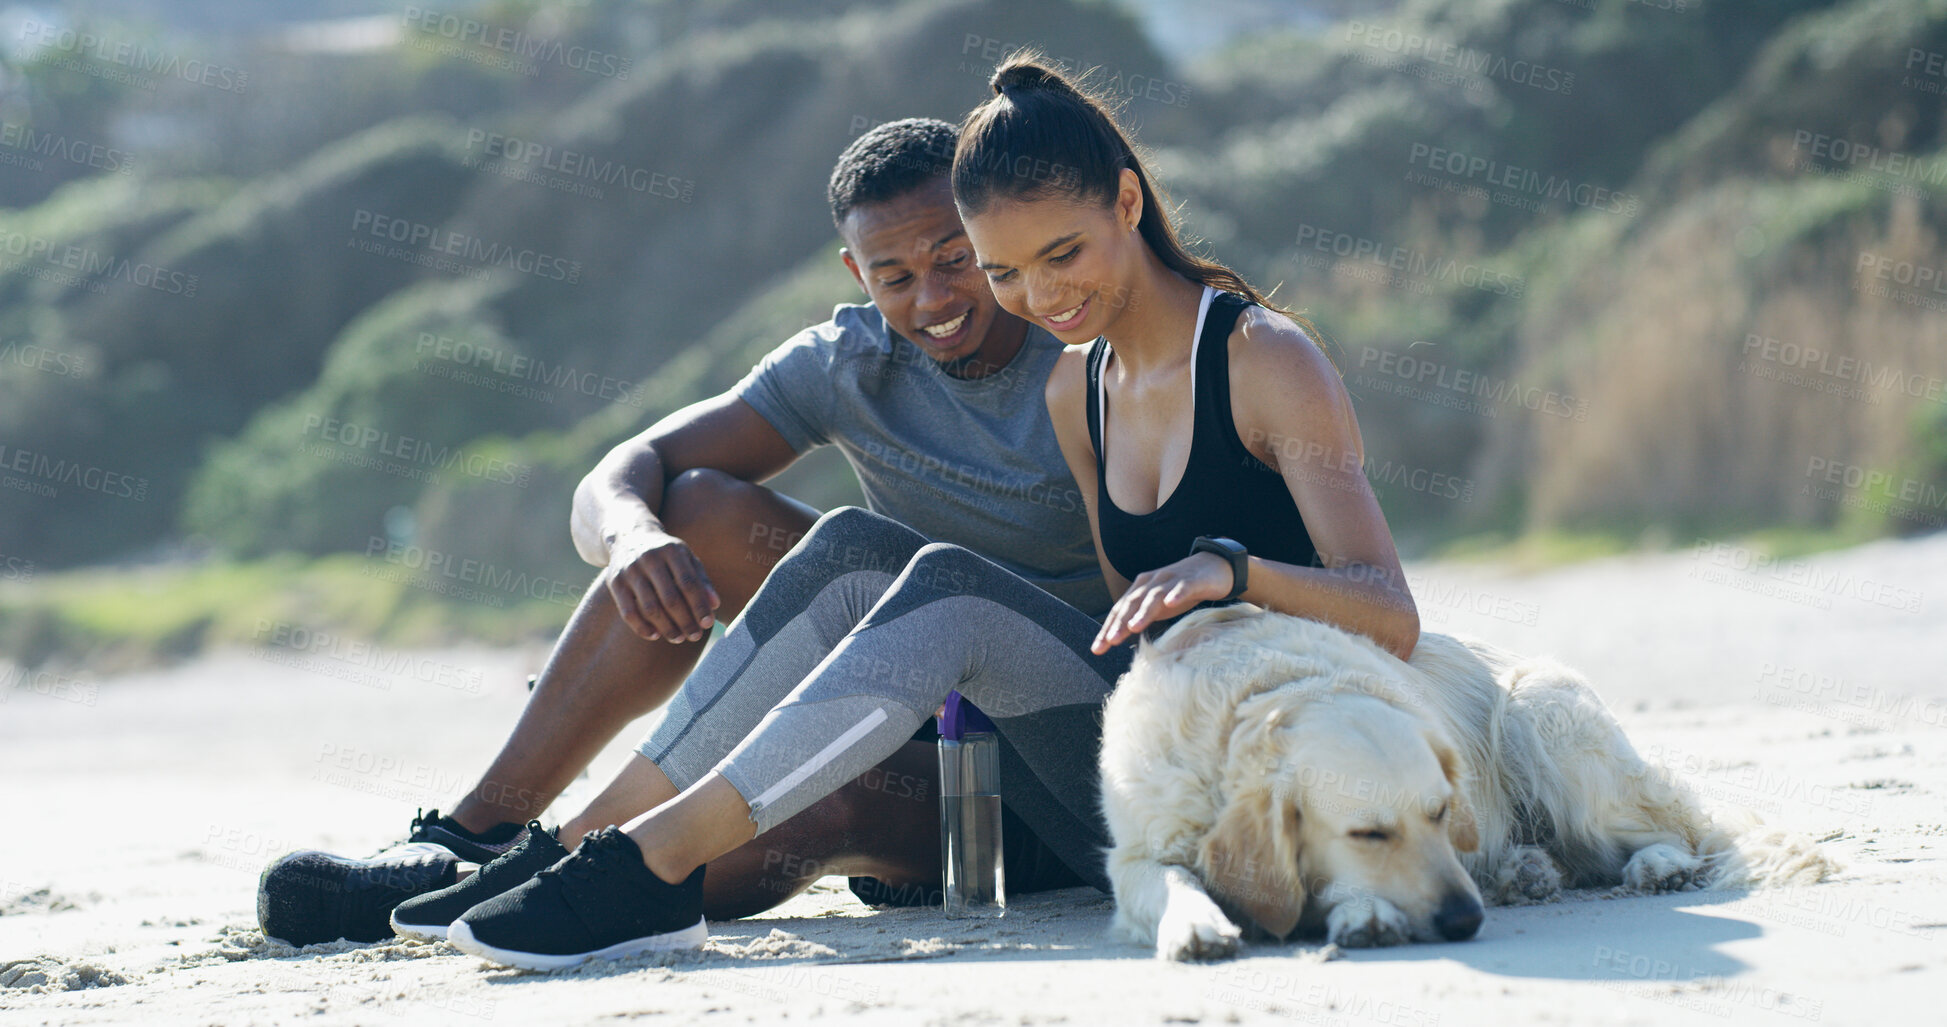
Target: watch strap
[1233, 553]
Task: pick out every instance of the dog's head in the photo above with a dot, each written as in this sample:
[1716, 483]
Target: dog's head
[1332, 796]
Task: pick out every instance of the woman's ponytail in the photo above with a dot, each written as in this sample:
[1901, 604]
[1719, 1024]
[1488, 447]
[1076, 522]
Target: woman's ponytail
[1043, 134]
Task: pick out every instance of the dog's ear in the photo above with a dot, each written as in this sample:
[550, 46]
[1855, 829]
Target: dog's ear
[1250, 856]
[1250, 859]
[1463, 827]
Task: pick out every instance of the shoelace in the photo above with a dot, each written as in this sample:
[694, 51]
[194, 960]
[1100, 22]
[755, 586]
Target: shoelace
[423, 819]
[580, 865]
[519, 850]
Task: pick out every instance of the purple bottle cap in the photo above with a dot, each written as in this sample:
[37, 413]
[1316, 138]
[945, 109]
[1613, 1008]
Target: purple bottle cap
[962, 717]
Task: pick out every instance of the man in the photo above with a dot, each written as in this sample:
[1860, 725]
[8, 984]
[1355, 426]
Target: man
[934, 395]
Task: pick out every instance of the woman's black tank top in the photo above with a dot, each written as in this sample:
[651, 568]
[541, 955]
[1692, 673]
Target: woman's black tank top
[1226, 491]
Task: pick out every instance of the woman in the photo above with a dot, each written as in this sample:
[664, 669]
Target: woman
[1200, 417]
[1228, 420]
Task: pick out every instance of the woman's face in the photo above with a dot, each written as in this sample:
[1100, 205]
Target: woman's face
[1061, 263]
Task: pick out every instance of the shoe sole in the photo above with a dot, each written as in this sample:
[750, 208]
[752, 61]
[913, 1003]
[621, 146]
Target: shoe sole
[460, 936]
[420, 932]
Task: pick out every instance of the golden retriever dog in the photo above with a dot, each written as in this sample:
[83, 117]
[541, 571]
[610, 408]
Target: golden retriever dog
[1267, 770]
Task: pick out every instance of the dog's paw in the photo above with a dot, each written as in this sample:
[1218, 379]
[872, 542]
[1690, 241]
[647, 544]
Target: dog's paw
[1663, 868]
[1529, 876]
[1367, 922]
[1197, 934]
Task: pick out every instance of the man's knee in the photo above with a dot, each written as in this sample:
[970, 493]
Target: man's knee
[723, 517]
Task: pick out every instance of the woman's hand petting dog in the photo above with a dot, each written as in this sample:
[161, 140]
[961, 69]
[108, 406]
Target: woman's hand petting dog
[1161, 594]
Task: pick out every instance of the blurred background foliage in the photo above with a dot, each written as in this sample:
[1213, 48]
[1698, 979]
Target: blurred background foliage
[245, 151]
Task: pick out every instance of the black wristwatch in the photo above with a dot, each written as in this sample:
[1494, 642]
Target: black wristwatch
[1231, 550]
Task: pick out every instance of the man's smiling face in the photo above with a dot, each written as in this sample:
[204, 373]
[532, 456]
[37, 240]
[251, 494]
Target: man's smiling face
[913, 259]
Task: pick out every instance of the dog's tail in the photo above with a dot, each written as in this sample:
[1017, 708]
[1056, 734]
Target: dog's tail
[1744, 853]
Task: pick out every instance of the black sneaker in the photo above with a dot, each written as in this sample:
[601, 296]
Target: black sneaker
[310, 897]
[600, 902]
[427, 916]
[446, 832]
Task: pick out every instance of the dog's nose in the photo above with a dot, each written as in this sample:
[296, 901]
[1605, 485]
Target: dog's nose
[1459, 917]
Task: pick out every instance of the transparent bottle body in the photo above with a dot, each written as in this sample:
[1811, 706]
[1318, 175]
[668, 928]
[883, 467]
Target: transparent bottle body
[970, 826]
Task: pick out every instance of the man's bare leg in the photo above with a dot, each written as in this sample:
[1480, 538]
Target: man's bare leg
[884, 824]
[601, 675]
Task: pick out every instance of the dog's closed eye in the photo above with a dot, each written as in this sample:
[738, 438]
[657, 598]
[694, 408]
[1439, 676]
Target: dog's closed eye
[1371, 834]
[1441, 813]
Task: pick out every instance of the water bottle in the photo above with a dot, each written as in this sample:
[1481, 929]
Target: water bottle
[970, 812]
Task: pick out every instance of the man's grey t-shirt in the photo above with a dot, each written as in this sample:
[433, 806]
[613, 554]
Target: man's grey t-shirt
[973, 462]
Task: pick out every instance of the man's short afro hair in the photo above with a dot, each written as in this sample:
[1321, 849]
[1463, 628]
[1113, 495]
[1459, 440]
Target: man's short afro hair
[890, 161]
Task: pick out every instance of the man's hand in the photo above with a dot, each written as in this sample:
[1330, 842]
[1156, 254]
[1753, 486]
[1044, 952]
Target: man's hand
[1163, 593]
[660, 587]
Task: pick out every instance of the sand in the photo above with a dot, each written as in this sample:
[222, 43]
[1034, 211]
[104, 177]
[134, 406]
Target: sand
[1808, 691]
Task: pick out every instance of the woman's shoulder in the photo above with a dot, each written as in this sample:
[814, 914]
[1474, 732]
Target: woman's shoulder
[1067, 398]
[1277, 354]
[1068, 379]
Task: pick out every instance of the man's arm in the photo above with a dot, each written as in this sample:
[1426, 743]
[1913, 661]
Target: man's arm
[659, 585]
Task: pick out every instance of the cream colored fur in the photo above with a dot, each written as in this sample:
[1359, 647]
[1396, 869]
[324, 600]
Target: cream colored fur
[1264, 769]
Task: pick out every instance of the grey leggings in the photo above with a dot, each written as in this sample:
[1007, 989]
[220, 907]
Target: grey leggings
[855, 639]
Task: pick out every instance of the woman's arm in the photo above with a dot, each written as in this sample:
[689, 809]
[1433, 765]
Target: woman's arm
[1067, 396]
[1292, 411]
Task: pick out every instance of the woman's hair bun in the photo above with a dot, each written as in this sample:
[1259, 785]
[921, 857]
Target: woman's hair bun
[1025, 71]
